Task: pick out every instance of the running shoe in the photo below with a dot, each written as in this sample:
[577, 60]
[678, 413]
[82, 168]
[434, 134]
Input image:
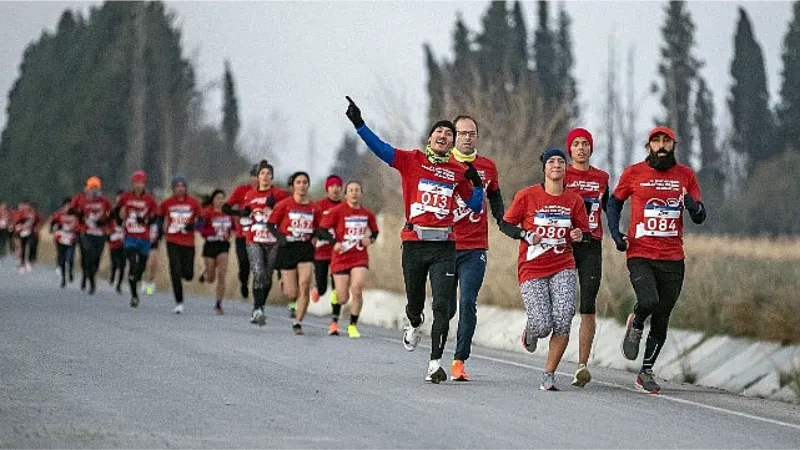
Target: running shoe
[352, 331]
[178, 308]
[244, 291]
[150, 289]
[529, 341]
[63, 283]
[314, 295]
[292, 309]
[582, 376]
[412, 335]
[436, 373]
[297, 330]
[134, 302]
[333, 329]
[630, 343]
[548, 382]
[258, 317]
[218, 309]
[457, 371]
[646, 381]
[202, 277]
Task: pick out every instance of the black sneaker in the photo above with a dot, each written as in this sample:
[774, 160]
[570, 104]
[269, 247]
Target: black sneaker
[83, 284]
[297, 330]
[630, 343]
[202, 278]
[646, 381]
[244, 291]
[134, 302]
[63, 283]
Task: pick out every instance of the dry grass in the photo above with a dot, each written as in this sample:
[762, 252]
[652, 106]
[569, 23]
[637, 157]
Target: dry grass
[734, 286]
[741, 287]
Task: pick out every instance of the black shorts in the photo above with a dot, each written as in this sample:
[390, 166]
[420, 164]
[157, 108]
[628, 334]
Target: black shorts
[349, 269]
[589, 262]
[294, 253]
[212, 249]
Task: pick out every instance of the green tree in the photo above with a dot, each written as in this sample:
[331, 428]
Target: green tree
[678, 70]
[518, 46]
[347, 161]
[545, 54]
[749, 99]
[435, 85]
[711, 175]
[230, 111]
[789, 108]
[565, 63]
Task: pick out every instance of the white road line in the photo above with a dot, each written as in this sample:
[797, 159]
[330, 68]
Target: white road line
[628, 388]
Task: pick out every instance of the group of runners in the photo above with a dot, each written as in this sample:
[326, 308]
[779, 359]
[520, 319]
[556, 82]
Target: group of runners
[448, 190]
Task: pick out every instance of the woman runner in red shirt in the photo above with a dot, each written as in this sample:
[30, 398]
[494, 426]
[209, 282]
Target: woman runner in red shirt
[550, 219]
[355, 229]
[215, 227]
[294, 222]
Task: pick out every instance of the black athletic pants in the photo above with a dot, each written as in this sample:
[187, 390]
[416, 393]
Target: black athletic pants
[436, 260]
[181, 267]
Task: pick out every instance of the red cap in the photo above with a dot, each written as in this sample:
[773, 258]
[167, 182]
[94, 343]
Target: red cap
[140, 176]
[661, 130]
[576, 133]
[333, 180]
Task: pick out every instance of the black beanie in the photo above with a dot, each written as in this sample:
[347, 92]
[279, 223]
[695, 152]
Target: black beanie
[445, 124]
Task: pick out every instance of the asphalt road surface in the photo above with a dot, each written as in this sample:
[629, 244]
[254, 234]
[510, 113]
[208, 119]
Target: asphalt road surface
[81, 371]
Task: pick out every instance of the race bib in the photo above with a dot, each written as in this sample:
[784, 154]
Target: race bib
[66, 238]
[261, 234]
[553, 228]
[301, 226]
[594, 212]
[433, 197]
[178, 219]
[660, 220]
[222, 226]
[245, 223]
[355, 232]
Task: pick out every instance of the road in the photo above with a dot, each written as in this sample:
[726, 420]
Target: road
[81, 371]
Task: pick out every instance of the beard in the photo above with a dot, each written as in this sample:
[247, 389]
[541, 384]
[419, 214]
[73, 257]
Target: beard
[661, 163]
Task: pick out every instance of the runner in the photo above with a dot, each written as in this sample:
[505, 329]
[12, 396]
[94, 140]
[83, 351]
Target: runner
[429, 179]
[64, 226]
[215, 227]
[24, 224]
[5, 225]
[116, 249]
[94, 212]
[550, 218]
[155, 235]
[659, 189]
[33, 250]
[242, 226]
[177, 217]
[472, 241]
[322, 254]
[262, 247]
[354, 230]
[136, 210]
[294, 221]
[591, 184]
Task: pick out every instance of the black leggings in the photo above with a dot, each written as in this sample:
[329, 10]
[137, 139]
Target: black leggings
[321, 276]
[243, 260]
[181, 267]
[91, 252]
[24, 250]
[33, 249]
[589, 262]
[4, 238]
[657, 285]
[65, 258]
[263, 261]
[117, 265]
[437, 260]
[137, 262]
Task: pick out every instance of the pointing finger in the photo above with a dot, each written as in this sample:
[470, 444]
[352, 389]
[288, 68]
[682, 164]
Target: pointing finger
[350, 100]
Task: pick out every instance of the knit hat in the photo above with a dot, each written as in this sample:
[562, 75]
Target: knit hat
[93, 183]
[254, 170]
[442, 123]
[576, 133]
[333, 180]
[661, 130]
[549, 154]
[178, 179]
[140, 176]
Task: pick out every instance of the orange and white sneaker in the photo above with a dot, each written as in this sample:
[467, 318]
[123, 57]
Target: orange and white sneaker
[457, 371]
[314, 295]
[333, 329]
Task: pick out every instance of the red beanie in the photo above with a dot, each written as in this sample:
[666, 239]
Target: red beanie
[576, 133]
[333, 180]
[139, 176]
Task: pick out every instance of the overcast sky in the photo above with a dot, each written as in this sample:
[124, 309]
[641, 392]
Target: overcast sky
[299, 59]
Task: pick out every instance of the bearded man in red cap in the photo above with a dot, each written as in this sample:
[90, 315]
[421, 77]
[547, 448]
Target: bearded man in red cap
[591, 184]
[660, 190]
[324, 252]
[136, 210]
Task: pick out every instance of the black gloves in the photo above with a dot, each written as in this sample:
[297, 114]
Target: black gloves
[697, 210]
[141, 219]
[270, 202]
[620, 240]
[472, 175]
[189, 227]
[246, 212]
[354, 114]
